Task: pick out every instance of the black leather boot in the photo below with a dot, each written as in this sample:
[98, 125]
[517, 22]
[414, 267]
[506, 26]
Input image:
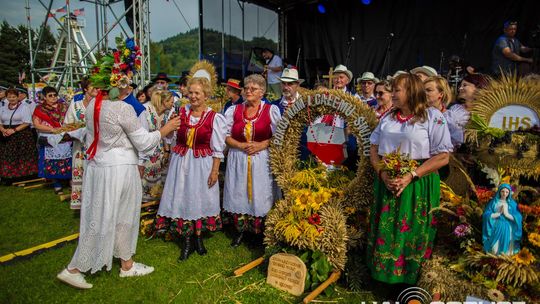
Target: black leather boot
[186, 251]
[238, 240]
[199, 246]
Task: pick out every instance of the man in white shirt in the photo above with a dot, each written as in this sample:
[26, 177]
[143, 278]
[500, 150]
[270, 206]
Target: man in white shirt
[274, 66]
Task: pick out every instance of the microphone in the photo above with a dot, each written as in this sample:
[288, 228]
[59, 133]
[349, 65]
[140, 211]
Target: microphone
[351, 39]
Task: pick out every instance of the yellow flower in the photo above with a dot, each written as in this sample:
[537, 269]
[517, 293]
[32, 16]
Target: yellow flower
[350, 210]
[524, 257]
[534, 238]
[126, 52]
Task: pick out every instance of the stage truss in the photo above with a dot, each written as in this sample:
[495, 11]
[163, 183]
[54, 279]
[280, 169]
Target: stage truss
[74, 56]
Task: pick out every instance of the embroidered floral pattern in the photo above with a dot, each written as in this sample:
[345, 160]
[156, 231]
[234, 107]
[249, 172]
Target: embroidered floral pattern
[402, 230]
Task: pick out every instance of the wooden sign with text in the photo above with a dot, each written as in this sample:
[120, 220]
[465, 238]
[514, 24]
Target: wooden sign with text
[287, 272]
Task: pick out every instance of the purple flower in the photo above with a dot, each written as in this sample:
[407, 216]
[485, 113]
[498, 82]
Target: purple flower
[462, 230]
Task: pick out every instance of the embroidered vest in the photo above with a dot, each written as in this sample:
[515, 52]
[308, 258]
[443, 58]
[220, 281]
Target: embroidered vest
[261, 124]
[201, 138]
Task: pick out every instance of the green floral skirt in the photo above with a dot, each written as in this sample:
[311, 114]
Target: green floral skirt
[401, 230]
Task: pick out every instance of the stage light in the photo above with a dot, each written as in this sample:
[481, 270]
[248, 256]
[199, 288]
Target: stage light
[366, 2]
[321, 9]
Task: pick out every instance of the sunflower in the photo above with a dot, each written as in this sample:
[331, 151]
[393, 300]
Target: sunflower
[495, 295]
[524, 257]
[534, 238]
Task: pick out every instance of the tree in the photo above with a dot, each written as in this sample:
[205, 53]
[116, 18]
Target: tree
[14, 48]
[159, 61]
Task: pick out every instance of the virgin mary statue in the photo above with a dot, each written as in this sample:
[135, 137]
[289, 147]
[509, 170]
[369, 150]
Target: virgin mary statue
[501, 227]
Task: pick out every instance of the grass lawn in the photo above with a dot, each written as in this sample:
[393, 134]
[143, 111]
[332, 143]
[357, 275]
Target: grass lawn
[29, 218]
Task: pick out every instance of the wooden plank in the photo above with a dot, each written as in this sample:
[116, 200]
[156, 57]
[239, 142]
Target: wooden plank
[28, 251]
[28, 181]
[37, 186]
[333, 278]
[240, 271]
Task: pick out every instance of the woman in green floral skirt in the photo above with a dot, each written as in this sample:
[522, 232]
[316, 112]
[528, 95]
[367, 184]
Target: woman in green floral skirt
[402, 227]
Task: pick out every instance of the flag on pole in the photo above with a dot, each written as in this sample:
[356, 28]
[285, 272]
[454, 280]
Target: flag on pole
[79, 12]
[62, 9]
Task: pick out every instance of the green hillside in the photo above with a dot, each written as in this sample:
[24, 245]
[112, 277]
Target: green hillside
[178, 53]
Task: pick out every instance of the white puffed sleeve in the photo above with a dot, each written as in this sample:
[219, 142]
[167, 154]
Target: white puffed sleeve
[143, 118]
[217, 142]
[457, 118]
[275, 117]
[26, 114]
[229, 119]
[144, 141]
[439, 135]
[374, 138]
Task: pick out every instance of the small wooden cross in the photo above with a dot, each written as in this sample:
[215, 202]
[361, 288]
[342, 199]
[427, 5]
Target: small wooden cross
[330, 77]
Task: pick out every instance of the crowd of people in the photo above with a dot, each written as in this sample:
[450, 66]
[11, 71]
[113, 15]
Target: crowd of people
[140, 141]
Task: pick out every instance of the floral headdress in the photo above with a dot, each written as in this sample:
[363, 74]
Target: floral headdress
[113, 71]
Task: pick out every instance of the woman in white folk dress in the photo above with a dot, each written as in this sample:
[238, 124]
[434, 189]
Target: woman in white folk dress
[112, 191]
[190, 201]
[248, 193]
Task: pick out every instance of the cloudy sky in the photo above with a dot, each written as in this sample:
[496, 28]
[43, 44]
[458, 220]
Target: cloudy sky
[165, 17]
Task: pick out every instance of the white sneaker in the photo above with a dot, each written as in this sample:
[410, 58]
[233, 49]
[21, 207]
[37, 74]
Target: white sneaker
[74, 279]
[136, 270]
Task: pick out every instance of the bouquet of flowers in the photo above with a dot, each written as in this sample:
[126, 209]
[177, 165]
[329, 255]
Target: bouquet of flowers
[397, 164]
[115, 69]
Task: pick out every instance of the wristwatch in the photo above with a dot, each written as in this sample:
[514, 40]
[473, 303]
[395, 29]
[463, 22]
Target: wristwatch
[415, 176]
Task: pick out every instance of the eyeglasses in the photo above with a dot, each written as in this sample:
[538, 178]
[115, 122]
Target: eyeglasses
[379, 93]
[52, 95]
[251, 89]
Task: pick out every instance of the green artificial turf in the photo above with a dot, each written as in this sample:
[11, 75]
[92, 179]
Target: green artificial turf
[32, 217]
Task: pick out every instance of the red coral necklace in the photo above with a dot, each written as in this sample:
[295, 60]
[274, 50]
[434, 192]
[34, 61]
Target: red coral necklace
[247, 118]
[402, 119]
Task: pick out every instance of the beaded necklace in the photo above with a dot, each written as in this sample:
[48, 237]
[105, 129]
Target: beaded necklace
[402, 119]
[252, 118]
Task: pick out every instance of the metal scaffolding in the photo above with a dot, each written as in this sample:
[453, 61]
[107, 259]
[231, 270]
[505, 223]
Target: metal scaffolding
[74, 56]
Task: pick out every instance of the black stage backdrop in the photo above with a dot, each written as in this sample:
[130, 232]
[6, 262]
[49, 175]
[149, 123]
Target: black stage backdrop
[420, 33]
